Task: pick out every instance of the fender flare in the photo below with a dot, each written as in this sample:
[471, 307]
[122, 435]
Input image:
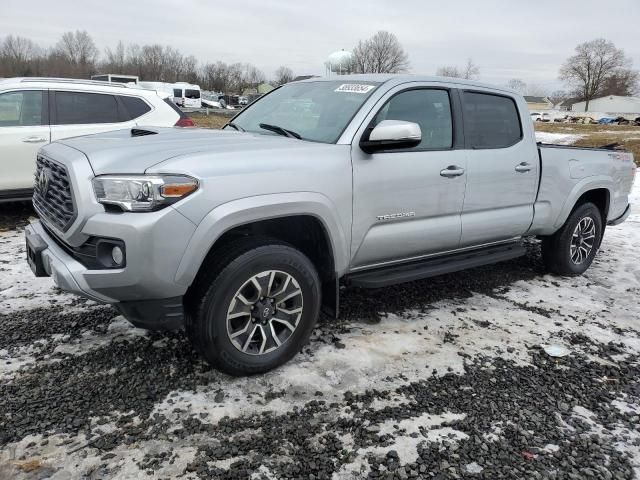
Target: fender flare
[262, 207]
[579, 189]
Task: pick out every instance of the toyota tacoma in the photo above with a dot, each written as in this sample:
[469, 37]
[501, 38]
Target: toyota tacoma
[242, 235]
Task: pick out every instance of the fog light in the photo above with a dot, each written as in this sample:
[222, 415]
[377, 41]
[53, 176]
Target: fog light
[117, 255]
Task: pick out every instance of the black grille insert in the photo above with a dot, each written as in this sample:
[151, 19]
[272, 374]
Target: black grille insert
[52, 196]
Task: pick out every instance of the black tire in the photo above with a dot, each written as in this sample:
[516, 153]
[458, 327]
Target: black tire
[556, 249]
[214, 291]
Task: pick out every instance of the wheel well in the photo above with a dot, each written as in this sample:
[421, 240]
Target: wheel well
[304, 232]
[599, 197]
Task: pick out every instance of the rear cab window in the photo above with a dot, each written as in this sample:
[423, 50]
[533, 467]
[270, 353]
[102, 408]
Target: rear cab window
[490, 120]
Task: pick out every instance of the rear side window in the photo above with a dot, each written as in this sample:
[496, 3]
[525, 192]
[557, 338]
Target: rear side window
[490, 121]
[136, 107]
[429, 108]
[189, 93]
[79, 108]
[177, 92]
[21, 109]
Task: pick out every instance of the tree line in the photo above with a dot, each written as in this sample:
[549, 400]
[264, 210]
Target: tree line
[76, 55]
[598, 68]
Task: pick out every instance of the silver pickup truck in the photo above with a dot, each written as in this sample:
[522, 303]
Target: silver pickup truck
[242, 235]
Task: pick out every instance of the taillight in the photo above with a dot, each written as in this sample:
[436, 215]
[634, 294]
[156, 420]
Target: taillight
[185, 122]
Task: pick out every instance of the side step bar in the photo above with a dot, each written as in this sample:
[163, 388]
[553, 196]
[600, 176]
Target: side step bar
[408, 272]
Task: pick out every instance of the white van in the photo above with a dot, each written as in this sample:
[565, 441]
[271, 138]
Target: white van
[116, 78]
[186, 95]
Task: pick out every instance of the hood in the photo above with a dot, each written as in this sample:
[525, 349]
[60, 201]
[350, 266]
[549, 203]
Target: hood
[120, 152]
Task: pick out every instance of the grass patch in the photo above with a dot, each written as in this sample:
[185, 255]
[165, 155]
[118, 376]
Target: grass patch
[598, 135]
[209, 121]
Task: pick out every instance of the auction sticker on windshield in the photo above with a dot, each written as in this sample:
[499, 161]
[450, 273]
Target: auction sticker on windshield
[354, 88]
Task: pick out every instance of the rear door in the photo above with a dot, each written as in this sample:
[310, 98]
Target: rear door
[502, 171]
[24, 128]
[407, 203]
[76, 113]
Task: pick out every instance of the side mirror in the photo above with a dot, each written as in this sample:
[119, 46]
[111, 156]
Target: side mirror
[390, 135]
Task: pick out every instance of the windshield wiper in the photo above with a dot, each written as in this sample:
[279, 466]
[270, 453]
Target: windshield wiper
[280, 131]
[234, 126]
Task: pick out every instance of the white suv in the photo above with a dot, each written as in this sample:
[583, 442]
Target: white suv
[36, 111]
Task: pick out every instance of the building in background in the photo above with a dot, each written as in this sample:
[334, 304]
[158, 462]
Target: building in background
[538, 103]
[610, 103]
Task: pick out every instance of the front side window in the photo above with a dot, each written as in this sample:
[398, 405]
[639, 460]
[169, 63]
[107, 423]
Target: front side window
[316, 111]
[490, 121]
[80, 108]
[429, 108]
[21, 109]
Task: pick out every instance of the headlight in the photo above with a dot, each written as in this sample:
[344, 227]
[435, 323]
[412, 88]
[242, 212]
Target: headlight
[142, 193]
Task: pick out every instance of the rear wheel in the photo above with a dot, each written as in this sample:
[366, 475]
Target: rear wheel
[256, 308]
[571, 249]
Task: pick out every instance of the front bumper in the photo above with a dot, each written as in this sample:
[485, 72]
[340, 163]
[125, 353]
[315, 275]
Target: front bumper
[621, 218]
[145, 291]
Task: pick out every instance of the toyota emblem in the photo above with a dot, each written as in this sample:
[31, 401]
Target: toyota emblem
[43, 181]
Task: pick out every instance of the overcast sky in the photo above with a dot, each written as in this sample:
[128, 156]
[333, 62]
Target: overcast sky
[506, 38]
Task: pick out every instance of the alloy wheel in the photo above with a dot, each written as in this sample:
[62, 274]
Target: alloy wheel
[582, 240]
[264, 312]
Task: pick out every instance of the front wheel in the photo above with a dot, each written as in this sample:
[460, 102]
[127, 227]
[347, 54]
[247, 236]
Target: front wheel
[256, 309]
[571, 249]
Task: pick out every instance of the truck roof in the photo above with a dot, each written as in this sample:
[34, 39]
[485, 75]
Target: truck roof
[396, 79]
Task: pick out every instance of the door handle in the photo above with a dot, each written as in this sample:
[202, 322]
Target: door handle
[523, 167]
[34, 139]
[452, 171]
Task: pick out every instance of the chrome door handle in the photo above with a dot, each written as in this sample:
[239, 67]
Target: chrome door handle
[523, 167]
[452, 171]
[34, 140]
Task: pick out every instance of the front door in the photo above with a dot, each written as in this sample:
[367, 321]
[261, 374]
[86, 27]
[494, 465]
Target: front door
[502, 171]
[24, 128]
[407, 203]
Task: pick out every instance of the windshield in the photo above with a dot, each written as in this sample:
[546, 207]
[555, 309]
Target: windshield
[317, 111]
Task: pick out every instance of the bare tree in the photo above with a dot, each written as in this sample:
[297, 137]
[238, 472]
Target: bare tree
[517, 85]
[469, 72]
[78, 48]
[115, 59]
[382, 53]
[591, 66]
[624, 82]
[449, 71]
[558, 96]
[17, 56]
[283, 75]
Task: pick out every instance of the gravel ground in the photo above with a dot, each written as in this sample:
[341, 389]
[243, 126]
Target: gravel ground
[445, 378]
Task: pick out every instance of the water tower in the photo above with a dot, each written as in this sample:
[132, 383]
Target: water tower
[339, 63]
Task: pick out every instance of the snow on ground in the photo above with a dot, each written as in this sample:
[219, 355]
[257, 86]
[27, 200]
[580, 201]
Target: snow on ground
[450, 366]
[558, 138]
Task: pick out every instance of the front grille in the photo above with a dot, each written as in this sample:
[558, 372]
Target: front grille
[52, 196]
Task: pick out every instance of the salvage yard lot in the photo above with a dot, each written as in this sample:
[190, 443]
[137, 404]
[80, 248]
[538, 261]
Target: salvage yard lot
[442, 378]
